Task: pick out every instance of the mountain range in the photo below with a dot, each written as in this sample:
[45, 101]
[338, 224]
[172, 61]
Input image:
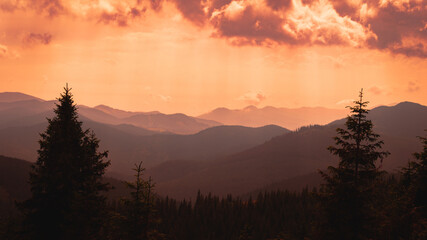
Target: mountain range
[22, 121]
[297, 154]
[20, 109]
[218, 159]
[289, 118]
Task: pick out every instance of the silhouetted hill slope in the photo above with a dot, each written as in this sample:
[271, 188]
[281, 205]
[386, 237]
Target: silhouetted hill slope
[177, 123]
[283, 157]
[24, 113]
[116, 112]
[155, 121]
[16, 96]
[289, 118]
[125, 148]
[14, 177]
[131, 129]
[404, 119]
[14, 186]
[299, 153]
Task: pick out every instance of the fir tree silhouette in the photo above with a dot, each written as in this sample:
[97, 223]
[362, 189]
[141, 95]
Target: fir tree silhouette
[66, 186]
[414, 180]
[348, 192]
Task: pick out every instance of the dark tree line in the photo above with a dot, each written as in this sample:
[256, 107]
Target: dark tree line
[268, 216]
[357, 201]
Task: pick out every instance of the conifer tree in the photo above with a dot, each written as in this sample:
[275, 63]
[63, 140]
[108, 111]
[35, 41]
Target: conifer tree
[414, 180]
[66, 186]
[139, 207]
[420, 176]
[348, 192]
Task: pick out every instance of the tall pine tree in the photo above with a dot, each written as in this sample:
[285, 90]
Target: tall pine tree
[66, 181]
[348, 192]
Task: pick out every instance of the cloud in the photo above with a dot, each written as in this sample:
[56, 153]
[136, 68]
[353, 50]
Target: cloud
[345, 101]
[49, 8]
[155, 4]
[375, 90]
[32, 39]
[192, 10]
[413, 87]
[5, 52]
[164, 98]
[253, 98]
[396, 26]
[278, 5]
[288, 22]
[417, 50]
[337, 62]
[153, 96]
[118, 12]
[246, 24]
[400, 28]
[120, 19]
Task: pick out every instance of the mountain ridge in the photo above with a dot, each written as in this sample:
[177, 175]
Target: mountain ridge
[291, 118]
[298, 153]
[151, 121]
[16, 96]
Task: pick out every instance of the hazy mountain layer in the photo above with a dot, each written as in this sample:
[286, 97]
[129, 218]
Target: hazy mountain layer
[17, 109]
[298, 153]
[126, 149]
[289, 118]
[222, 159]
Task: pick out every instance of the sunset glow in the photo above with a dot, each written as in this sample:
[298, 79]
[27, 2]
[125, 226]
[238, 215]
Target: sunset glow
[192, 56]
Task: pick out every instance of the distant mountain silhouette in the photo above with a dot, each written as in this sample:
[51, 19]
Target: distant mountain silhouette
[117, 112]
[17, 109]
[286, 117]
[16, 96]
[24, 113]
[154, 121]
[219, 159]
[126, 147]
[404, 119]
[299, 153]
[176, 123]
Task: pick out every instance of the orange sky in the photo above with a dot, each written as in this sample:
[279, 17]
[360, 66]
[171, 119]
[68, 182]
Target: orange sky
[192, 56]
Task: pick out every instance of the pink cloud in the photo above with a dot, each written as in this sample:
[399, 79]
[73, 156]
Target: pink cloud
[32, 39]
[399, 27]
[375, 90]
[253, 98]
[413, 87]
[5, 52]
